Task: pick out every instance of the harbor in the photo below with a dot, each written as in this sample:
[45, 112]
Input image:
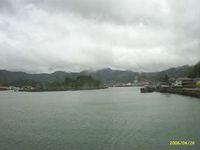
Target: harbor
[181, 86]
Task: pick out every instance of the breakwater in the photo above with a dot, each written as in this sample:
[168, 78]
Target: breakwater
[194, 92]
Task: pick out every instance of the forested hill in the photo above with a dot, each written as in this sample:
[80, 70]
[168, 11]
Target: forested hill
[9, 77]
[105, 76]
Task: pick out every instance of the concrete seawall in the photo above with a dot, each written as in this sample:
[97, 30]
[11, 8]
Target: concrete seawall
[194, 92]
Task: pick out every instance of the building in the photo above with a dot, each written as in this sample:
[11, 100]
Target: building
[27, 88]
[196, 79]
[3, 88]
[185, 82]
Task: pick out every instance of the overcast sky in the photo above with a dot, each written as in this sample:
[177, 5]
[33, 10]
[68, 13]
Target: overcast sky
[73, 35]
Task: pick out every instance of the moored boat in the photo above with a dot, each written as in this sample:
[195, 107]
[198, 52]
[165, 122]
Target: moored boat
[147, 89]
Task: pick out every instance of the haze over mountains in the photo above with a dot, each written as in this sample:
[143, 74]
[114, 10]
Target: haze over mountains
[106, 76]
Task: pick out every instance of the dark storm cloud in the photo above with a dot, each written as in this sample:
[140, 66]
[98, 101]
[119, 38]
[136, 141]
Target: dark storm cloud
[72, 35]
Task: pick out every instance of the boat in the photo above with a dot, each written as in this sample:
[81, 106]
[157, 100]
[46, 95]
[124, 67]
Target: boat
[147, 89]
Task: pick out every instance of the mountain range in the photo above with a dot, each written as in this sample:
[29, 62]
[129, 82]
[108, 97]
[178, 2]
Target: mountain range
[106, 76]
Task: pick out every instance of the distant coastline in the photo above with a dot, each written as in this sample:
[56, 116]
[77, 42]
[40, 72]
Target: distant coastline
[57, 90]
[99, 79]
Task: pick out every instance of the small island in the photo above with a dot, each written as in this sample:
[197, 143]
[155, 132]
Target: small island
[81, 82]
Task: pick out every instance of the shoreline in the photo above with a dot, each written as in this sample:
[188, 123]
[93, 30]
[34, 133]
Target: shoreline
[57, 90]
[192, 92]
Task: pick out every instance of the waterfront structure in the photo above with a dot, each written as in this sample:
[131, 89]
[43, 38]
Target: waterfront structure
[24, 88]
[3, 88]
[147, 89]
[185, 82]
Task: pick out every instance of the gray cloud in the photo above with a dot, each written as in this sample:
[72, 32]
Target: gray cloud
[6, 6]
[72, 35]
[126, 11]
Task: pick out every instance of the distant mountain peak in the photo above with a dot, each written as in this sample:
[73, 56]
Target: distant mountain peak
[105, 69]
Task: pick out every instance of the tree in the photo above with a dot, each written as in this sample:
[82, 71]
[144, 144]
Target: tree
[163, 78]
[82, 81]
[195, 71]
[68, 81]
[198, 84]
[166, 78]
[141, 76]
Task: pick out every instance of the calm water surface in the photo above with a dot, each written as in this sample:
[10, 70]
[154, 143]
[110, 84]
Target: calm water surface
[108, 119]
